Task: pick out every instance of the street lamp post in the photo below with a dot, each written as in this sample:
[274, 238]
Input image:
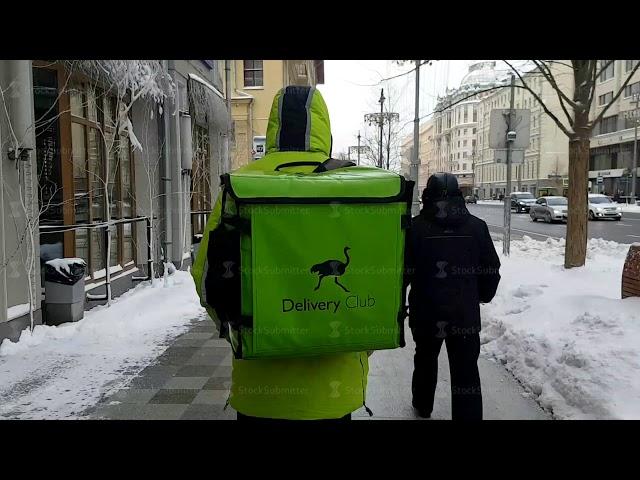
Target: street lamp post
[380, 119]
[634, 175]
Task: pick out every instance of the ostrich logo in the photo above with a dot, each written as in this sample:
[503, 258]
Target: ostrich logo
[332, 268]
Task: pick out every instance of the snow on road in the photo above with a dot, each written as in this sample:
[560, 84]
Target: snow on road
[57, 372]
[566, 334]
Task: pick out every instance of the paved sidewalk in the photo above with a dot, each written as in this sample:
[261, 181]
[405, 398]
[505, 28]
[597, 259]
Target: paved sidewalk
[191, 381]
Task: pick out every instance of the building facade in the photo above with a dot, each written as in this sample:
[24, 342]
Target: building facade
[611, 152]
[427, 163]
[254, 83]
[456, 123]
[114, 162]
[544, 170]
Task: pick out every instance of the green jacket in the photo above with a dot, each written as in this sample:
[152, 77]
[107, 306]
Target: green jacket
[309, 388]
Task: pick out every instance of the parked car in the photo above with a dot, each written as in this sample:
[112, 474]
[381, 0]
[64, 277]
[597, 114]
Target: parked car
[601, 206]
[549, 209]
[470, 199]
[521, 201]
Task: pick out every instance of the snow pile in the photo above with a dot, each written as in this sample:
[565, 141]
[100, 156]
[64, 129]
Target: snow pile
[490, 202]
[566, 334]
[57, 372]
[629, 208]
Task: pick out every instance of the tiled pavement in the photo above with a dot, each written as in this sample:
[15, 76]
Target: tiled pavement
[191, 381]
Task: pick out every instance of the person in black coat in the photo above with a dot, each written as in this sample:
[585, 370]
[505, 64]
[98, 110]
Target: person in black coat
[452, 267]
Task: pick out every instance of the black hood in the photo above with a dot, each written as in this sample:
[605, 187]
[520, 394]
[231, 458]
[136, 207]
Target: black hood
[447, 211]
[442, 200]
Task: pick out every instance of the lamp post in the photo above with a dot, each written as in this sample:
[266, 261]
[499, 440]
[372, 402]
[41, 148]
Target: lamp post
[634, 175]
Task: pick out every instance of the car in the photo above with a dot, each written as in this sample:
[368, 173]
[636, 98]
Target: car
[521, 201]
[549, 209]
[470, 199]
[601, 206]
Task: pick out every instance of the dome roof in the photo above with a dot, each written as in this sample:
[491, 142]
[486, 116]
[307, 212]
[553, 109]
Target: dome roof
[480, 73]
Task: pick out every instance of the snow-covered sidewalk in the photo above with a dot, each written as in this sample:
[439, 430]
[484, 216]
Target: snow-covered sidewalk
[57, 372]
[566, 334]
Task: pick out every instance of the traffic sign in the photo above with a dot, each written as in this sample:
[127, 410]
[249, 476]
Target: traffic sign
[600, 180]
[500, 156]
[498, 128]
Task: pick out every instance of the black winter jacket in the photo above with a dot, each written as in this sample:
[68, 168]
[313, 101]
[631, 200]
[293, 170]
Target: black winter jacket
[452, 266]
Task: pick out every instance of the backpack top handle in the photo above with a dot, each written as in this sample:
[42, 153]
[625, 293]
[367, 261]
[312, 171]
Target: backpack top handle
[328, 164]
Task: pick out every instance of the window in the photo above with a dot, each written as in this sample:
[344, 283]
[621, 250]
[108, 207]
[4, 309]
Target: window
[200, 179]
[464, 143]
[465, 131]
[473, 131]
[98, 153]
[253, 74]
[475, 115]
[607, 67]
[605, 99]
[464, 166]
[629, 64]
[608, 124]
[466, 114]
[464, 154]
[631, 89]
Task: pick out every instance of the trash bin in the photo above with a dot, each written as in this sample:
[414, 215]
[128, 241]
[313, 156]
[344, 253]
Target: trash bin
[195, 245]
[64, 290]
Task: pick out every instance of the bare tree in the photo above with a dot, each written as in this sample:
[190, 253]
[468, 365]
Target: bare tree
[575, 101]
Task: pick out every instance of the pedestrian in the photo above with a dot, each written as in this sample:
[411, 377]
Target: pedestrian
[616, 197]
[323, 387]
[452, 267]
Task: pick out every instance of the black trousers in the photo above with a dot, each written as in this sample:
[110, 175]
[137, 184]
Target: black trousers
[248, 418]
[463, 352]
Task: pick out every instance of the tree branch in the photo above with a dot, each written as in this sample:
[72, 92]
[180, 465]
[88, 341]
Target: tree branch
[561, 126]
[549, 77]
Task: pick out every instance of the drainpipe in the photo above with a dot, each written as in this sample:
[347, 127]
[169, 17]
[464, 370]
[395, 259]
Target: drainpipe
[227, 94]
[177, 180]
[3, 268]
[166, 172]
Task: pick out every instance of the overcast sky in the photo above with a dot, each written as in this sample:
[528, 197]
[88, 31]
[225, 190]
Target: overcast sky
[352, 89]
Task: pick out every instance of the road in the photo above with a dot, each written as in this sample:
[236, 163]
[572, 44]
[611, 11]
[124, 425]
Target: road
[626, 230]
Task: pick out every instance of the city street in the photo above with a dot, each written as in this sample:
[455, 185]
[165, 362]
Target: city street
[626, 230]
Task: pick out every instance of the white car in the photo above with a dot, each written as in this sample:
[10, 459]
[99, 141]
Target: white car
[601, 206]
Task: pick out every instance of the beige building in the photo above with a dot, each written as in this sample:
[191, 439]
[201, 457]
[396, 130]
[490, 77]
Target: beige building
[455, 124]
[545, 167]
[612, 139]
[254, 84]
[427, 164]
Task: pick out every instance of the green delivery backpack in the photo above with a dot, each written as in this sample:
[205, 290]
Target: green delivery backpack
[308, 264]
